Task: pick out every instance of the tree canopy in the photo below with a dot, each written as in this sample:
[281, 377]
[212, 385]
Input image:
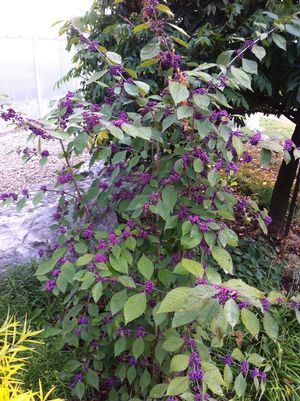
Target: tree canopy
[213, 27]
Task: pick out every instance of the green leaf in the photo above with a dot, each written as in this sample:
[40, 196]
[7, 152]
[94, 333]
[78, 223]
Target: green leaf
[265, 156]
[256, 359]
[158, 317]
[88, 280]
[182, 31]
[118, 157]
[244, 289]
[171, 222]
[141, 27]
[174, 300]
[145, 380]
[52, 332]
[117, 301]
[213, 276]
[65, 277]
[225, 57]
[169, 196]
[250, 321]
[43, 161]
[179, 363]
[45, 267]
[228, 237]
[80, 142]
[148, 63]
[259, 52]
[38, 198]
[296, 153]
[198, 165]
[120, 346]
[241, 77]
[92, 379]
[96, 76]
[172, 344]
[143, 87]
[162, 209]
[179, 92]
[84, 260]
[158, 391]
[134, 307]
[219, 98]
[213, 177]
[80, 247]
[21, 204]
[189, 242]
[114, 57]
[178, 385]
[213, 377]
[271, 326]
[238, 355]
[168, 121]
[193, 267]
[79, 390]
[240, 385]
[228, 376]
[180, 42]
[131, 89]
[71, 365]
[165, 9]
[201, 101]
[146, 267]
[292, 30]
[120, 264]
[130, 242]
[132, 73]
[249, 66]
[140, 132]
[223, 258]
[127, 281]
[138, 347]
[59, 253]
[232, 312]
[297, 315]
[97, 291]
[150, 51]
[184, 112]
[279, 41]
[166, 277]
[131, 374]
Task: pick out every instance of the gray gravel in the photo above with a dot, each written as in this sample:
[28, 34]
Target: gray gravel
[15, 174]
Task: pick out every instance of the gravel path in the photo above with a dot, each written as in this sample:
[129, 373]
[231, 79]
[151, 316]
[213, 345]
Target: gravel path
[15, 175]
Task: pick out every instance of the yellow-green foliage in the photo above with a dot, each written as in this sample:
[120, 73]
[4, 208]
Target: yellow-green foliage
[15, 340]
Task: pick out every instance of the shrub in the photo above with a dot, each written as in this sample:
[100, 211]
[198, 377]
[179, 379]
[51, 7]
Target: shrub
[148, 314]
[256, 262]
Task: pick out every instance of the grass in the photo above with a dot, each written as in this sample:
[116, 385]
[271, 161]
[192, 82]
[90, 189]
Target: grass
[22, 296]
[252, 186]
[284, 358]
[275, 127]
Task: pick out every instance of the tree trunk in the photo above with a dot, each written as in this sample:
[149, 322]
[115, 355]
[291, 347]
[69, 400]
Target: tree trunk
[282, 189]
